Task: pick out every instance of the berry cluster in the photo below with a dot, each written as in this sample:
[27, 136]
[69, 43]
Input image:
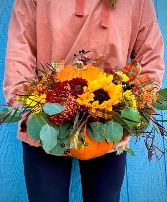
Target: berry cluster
[67, 150]
[81, 56]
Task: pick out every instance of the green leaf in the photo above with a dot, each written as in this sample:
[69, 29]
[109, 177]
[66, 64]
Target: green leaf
[112, 131]
[145, 123]
[117, 118]
[161, 103]
[18, 109]
[48, 136]
[139, 130]
[3, 112]
[15, 116]
[163, 93]
[95, 131]
[130, 151]
[130, 116]
[53, 108]
[35, 125]
[64, 130]
[10, 115]
[58, 149]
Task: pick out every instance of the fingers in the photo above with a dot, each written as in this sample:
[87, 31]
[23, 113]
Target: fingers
[111, 150]
[123, 144]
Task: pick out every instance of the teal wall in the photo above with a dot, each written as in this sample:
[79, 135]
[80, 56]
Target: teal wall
[144, 181]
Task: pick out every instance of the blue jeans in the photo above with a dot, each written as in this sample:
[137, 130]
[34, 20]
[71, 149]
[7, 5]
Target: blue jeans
[48, 177]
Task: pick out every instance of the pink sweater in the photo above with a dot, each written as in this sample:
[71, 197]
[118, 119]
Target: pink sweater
[51, 30]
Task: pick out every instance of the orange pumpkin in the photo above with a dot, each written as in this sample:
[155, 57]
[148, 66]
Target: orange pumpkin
[95, 149]
[79, 70]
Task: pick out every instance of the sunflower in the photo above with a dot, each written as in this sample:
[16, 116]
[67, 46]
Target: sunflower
[101, 93]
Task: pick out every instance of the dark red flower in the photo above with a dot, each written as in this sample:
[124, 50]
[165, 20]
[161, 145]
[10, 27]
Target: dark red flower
[76, 85]
[61, 95]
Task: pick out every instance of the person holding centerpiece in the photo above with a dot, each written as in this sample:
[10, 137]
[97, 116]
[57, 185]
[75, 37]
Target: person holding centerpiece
[42, 32]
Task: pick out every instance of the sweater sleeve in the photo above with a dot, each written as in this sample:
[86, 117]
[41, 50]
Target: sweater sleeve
[21, 48]
[149, 48]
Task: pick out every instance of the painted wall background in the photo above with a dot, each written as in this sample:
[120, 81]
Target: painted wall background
[144, 181]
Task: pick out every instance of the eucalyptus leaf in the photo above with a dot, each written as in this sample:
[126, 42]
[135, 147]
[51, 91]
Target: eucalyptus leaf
[90, 132]
[35, 125]
[96, 131]
[10, 115]
[58, 149]
[4, 112]
[13, 118]
[130, 116]
[18, 109]
[112, 131]
[48, 136]
[64, 130]
[163, 93]
[117, 118]
[53, 108]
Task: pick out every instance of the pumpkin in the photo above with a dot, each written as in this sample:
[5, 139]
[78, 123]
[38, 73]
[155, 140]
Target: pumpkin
[79, 70]
[93, 150]
[87, 72]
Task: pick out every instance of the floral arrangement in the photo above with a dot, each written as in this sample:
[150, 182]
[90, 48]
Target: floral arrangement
[82, 111]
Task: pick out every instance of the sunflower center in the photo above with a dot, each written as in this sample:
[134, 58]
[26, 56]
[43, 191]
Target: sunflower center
[101, 95]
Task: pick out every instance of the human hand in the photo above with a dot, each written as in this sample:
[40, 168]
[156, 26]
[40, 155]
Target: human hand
[124, 143]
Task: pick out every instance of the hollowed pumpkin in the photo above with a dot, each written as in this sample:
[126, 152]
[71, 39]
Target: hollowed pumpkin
[93, 150]
[87, 72]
